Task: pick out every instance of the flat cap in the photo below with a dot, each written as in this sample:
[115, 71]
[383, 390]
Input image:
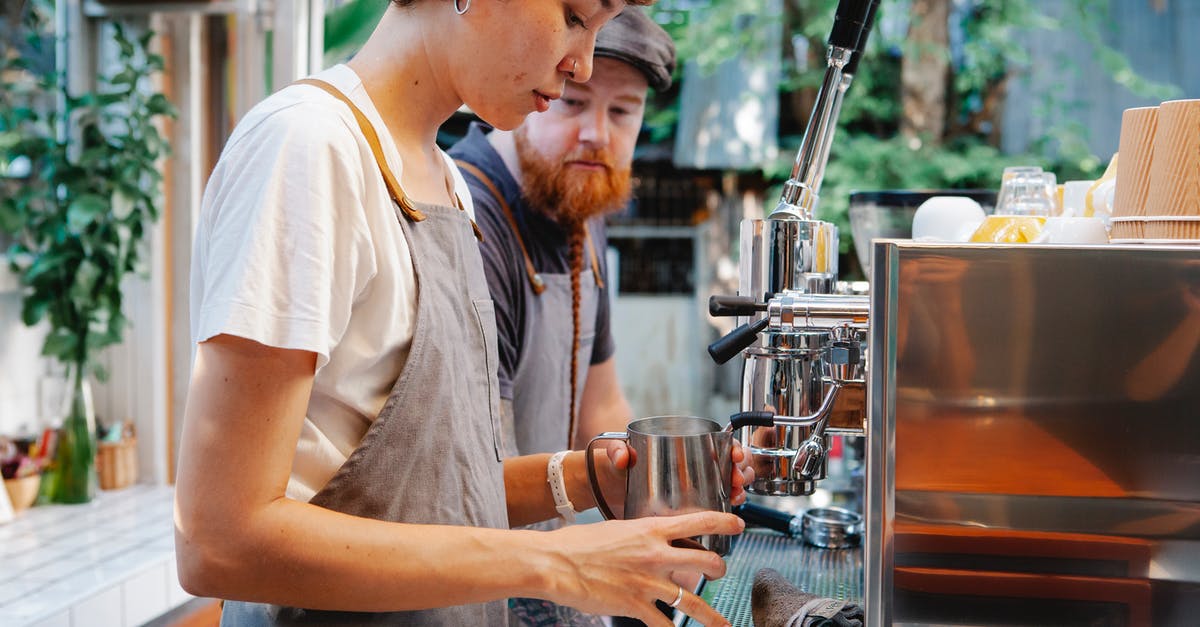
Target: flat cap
[634, 38]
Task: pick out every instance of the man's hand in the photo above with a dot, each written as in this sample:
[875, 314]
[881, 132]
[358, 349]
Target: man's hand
[613, 474]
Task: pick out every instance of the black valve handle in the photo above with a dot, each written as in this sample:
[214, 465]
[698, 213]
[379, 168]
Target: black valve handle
[733, 306]
[727, 347]
[861, 45]
[752, 419]
[763, 516]
[848, 23]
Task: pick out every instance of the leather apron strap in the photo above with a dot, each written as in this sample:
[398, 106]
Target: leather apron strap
[393, 185]
[535, 279]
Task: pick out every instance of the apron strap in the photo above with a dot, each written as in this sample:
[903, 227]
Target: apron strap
[368, 131]
[393, 186]
[592, 251]
[535, 279]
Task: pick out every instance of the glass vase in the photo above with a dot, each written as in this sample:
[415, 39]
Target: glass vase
[74, 473]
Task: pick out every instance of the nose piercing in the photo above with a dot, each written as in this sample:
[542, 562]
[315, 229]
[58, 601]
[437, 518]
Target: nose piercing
[574, 64]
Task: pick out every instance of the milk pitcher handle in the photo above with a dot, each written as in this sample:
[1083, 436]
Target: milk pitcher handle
[591, 470]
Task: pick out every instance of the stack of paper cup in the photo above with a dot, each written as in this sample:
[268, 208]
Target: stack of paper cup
[1173, 202]
[1133, 176]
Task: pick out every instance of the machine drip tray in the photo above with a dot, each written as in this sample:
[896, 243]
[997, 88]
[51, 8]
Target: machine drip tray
[833, 573]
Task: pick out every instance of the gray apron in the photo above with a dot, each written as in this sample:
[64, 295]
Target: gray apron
[443, 412]
[541, 387]
[539, 421]
[541, 383]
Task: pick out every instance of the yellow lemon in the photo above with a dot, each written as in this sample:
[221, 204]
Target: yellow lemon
[1009, 229]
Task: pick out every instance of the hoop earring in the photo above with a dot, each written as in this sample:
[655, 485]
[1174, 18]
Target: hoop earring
[464, 8]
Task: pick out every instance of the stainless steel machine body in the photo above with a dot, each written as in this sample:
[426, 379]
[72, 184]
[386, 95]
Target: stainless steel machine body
[1034, 440]
[793, 373]
[791, 263]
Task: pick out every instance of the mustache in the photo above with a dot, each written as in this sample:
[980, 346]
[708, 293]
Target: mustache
[591, 155]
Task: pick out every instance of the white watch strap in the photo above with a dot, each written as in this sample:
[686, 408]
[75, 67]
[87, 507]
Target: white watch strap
[558, 486]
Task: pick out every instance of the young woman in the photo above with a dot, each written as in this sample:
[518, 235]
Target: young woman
[340, 460]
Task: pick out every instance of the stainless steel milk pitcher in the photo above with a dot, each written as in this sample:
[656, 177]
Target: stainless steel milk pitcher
[678, 465]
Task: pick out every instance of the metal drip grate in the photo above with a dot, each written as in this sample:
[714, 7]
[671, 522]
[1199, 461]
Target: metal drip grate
[836, 574]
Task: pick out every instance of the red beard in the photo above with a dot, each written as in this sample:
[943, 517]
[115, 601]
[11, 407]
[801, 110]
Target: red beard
[568, 195]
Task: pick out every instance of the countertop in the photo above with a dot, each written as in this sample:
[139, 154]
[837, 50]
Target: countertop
[110, 562]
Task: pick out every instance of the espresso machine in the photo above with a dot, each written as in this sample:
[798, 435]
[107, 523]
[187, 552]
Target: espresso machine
[804, 350]
[1031, 414]
[804, 346]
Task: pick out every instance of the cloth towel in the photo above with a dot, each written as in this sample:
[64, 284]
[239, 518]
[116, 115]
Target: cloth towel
[775, 602]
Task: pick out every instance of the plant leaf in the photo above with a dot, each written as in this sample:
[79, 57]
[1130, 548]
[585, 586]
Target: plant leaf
[83, 210]
[122, 205]
[61, 344]
[33, 310]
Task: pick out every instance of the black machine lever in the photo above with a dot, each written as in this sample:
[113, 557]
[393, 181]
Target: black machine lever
[861, 45]
[733, 306]
[848, 22]
[727, 347]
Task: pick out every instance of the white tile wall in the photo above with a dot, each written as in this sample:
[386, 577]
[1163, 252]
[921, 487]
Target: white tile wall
[110, 562]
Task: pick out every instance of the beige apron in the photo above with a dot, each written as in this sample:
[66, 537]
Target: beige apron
[442, 413]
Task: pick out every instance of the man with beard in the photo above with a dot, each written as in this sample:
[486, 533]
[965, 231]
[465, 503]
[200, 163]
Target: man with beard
[541, 193]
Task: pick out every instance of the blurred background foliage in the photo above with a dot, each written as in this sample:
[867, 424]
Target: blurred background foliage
[961, 53]
[954, 58]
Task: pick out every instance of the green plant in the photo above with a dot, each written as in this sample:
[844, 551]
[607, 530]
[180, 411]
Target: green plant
[79, 218]
[348, 26]
[78, 214]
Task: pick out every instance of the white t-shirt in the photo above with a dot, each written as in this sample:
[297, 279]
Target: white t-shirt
[298, 246]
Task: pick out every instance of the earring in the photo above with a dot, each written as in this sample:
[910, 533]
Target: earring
[464, 8]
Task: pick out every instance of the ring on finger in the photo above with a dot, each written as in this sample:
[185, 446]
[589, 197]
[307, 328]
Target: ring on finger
[678, 598]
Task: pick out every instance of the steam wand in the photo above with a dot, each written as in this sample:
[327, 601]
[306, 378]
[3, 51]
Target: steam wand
[852, 24]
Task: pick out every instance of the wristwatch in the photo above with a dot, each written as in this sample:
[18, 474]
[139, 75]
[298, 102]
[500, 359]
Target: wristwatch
[558, 487]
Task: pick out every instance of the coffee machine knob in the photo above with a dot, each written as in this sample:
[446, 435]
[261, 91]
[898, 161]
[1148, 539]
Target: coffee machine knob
[809, 458]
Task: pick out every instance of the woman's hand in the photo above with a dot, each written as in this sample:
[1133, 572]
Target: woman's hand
[622, 567]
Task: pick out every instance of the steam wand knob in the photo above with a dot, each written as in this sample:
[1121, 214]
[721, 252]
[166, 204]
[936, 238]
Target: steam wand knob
[738, 339]
[719, 306]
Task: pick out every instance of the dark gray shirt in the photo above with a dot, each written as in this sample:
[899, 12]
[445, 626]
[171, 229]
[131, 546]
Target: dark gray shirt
[504, 263]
